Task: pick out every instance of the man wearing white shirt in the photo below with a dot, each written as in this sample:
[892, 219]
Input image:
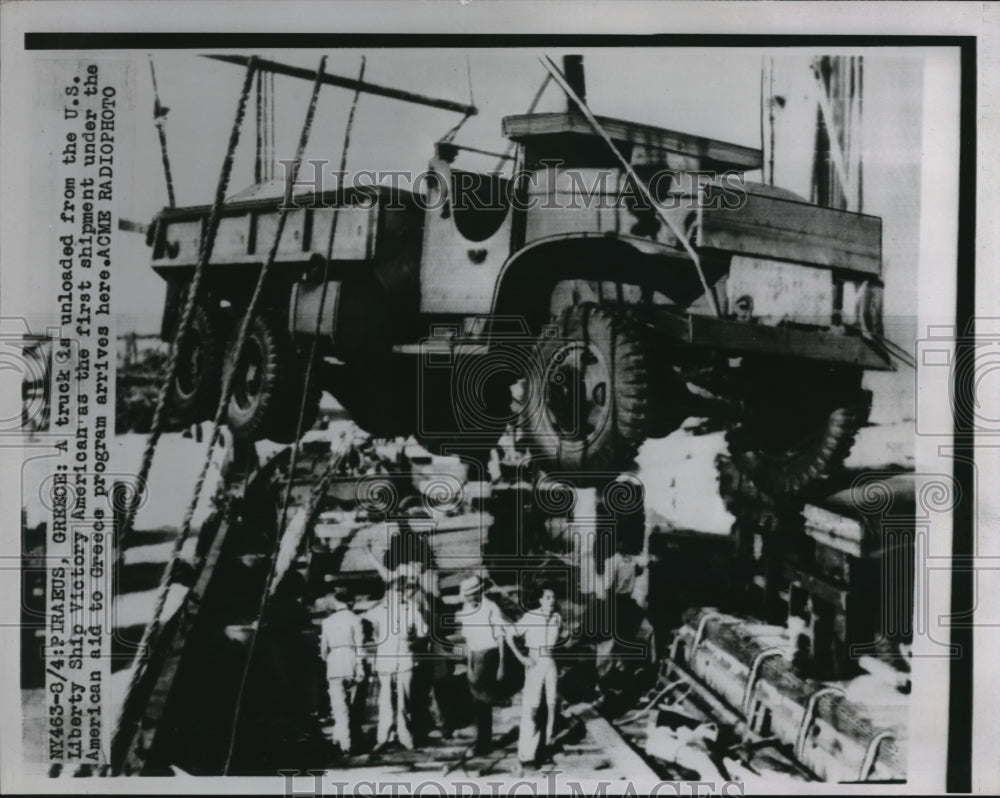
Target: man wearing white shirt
[616, 586]
[540, 629]
[341, 641]
[397, 621]
[485, 630]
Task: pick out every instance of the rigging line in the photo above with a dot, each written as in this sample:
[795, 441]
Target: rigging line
[312, 506]
[447, 137]
[265, 118]
[183, 329]
[763, 143]
[893, 348]
[347, 83]
[861, 131]
[323, 293]
[258, 173]
[224, 400]
[468, 71]
[160, 119]
[558, 76]
[263, 127]
[271, 122]
[770, 118]
[531, 109]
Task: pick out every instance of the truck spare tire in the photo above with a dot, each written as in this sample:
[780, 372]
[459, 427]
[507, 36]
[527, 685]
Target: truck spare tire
[587, 405]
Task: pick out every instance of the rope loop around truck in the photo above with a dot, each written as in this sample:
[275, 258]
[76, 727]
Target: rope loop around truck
[208, 244]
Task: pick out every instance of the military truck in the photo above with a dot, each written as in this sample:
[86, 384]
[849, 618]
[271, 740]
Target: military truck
[554, 306]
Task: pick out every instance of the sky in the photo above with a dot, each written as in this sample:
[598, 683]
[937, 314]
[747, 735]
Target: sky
[680, 89]
[708, 92]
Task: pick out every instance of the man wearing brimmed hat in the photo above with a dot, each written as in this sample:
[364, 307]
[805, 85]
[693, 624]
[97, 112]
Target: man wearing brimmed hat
[485, 630]
[341, 643]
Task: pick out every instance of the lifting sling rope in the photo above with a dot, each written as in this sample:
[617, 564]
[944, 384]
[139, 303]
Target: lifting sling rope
[335, 458]
[153, 627]
[160, 119]
[183, 328]
[253, 65]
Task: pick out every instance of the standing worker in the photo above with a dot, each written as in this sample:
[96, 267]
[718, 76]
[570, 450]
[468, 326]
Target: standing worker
[397, 621]
[617, 585]
[486, 631]
[540, 629]
[409, 557]
[341, 642]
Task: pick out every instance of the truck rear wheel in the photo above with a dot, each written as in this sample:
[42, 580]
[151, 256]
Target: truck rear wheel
[586, 405]
[263, 381]
[194, 395]
[790, 443]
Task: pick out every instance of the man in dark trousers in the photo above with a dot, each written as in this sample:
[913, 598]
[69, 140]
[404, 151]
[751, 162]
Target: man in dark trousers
[486, 631]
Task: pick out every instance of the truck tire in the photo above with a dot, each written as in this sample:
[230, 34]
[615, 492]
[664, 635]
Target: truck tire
[264, 380]
[194, 395]
[587, 405]
[791, 447]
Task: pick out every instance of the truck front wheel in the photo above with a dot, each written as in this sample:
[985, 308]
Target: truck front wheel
[587, 403]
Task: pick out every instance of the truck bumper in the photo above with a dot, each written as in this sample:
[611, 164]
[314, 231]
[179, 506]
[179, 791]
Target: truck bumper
[746, 338]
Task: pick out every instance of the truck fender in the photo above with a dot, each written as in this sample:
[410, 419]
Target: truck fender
[520, 285]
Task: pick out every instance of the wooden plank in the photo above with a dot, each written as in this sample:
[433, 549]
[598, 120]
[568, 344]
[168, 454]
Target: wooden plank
[710, 151]
[775, 227]
[818, 519]
[626, 761]
[836, 531]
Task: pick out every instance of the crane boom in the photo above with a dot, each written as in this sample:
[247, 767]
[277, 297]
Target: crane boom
[350, 83]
